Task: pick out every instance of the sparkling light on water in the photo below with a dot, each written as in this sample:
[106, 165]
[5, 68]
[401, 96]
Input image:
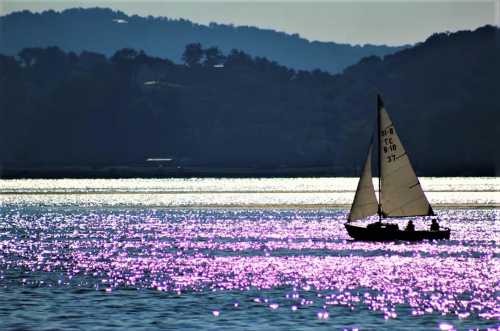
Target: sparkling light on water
[182, 251]
[251, 192]
[270, 262]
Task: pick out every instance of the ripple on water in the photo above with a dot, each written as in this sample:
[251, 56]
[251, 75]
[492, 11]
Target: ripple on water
[262, 265]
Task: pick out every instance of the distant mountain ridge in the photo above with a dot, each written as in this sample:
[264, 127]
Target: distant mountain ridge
[106, 31]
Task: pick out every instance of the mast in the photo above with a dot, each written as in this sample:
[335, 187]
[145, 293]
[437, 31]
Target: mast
[380, 104]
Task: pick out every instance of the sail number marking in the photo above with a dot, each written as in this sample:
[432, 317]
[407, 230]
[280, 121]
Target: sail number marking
[389, 146]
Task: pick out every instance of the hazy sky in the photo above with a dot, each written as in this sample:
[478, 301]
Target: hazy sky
[391, 22]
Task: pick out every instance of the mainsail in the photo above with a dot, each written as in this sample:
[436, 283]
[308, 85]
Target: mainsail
[400, 191]
[365, 202]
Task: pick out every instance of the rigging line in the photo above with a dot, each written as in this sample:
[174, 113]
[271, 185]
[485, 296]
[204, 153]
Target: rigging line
[400, 156]
[412, 186]
[380, 105]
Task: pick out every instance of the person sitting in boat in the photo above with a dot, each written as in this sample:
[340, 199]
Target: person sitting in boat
[410, 226]
[434, 225]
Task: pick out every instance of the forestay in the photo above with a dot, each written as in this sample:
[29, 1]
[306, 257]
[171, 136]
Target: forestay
[401, 193]
[365, 202]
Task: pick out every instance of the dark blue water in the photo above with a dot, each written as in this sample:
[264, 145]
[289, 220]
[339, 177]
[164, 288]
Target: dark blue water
[249, 269]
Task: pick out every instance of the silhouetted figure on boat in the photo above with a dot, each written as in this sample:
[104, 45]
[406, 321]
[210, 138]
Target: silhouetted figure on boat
[410, 226]
[434, 225]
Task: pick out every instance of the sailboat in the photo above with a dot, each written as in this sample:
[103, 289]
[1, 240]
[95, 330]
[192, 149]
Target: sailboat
[400, 193]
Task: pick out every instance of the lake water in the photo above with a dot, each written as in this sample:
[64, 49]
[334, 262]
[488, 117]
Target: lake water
[239, 254]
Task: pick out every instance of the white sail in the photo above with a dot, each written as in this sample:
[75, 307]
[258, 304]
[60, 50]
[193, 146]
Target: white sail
[400, 191]
[365, 202]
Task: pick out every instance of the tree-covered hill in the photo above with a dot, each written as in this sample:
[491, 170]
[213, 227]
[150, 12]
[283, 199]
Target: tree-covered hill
[233, 110]
[106, 31]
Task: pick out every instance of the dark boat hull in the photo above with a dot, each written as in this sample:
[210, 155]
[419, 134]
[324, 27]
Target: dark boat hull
[390, 233]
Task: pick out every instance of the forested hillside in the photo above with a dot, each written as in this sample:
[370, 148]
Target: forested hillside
[223, 110]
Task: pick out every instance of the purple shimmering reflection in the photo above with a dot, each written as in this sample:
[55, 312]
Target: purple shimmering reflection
[212, 250]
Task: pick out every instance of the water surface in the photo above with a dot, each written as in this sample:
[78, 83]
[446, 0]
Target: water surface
[239, 254]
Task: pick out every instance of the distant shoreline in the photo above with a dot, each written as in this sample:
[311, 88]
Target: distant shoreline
[112, 172]
[116, 172]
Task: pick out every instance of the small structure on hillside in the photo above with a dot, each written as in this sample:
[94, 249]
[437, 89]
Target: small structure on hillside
[161, 162]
